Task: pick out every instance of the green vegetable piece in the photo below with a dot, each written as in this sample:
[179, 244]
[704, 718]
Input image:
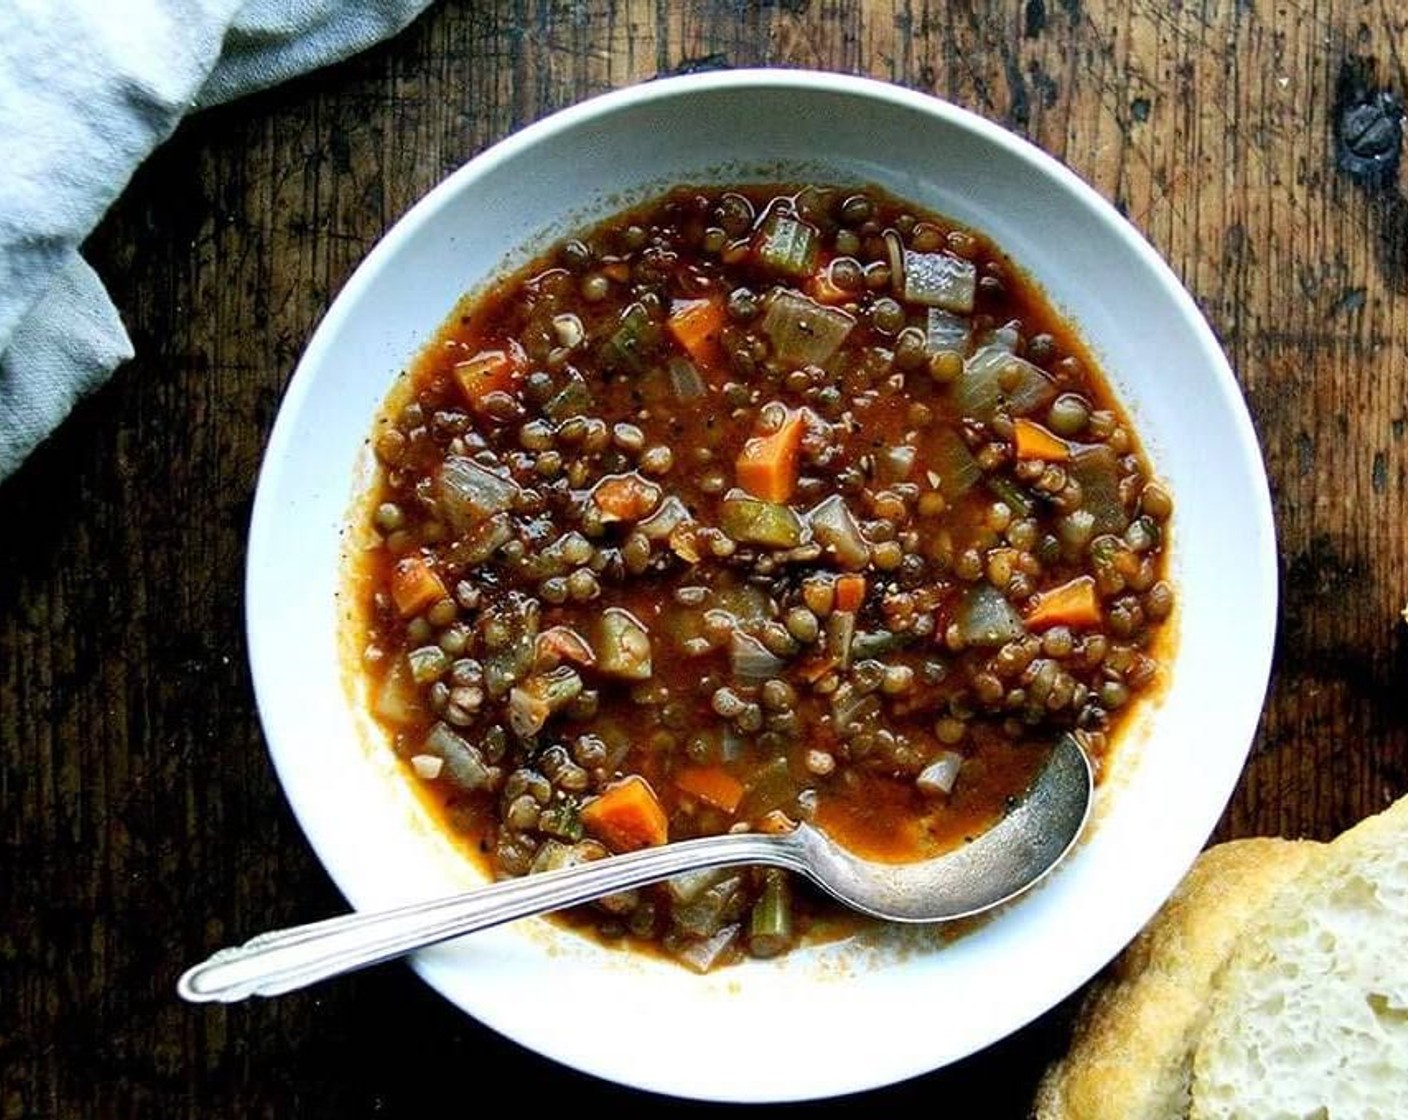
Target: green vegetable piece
[573, 399]
[634, 342]
[1017, 500]
[749, 521]
[786, 244]
[770, 924]
[986, 618]
[771, 787]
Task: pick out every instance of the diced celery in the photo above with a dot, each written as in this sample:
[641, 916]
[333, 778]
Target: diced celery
[633, 343]
[786, 244]
[750, 521]
[770, 924]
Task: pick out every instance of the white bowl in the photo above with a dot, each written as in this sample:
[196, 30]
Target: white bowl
[842, 1018]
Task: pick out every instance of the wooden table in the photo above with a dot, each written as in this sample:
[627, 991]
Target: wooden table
[140, 822]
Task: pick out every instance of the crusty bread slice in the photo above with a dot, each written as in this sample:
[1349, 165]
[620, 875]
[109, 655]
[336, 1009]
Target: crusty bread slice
[1131, 1056]
[1309, 1018]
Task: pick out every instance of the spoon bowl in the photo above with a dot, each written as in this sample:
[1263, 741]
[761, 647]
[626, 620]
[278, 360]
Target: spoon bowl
[991, 869]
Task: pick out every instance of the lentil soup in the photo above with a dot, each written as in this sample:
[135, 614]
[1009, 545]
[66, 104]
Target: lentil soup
[752, 505]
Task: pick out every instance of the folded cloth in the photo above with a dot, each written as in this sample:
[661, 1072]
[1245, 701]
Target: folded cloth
[87, 89]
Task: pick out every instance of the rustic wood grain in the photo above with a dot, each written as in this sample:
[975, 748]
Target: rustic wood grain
[140, 822]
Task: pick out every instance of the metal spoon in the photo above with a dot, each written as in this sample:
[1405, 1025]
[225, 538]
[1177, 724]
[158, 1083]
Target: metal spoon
[995, 867]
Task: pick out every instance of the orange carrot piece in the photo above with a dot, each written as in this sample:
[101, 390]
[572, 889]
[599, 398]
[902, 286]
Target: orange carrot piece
[850, 591]
[1074, 603]
[767, 465]
[489, 371]
[414, 586]
[625, 497]
[1035, 442]
[713, 785]
[627, 816]
[696, 324]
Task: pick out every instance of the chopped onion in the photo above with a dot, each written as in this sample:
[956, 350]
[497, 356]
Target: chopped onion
[1006, 337]
[850, 706]
[669, 516]
[427, 766]
[701, 955]
[940, 280]
[396, 699]
[947, 331]
[1097, 470]
[840, 634]
[470, 494]
[802, 331]
[705, 914]
[836, 530]
[893, 464]
[570, 332]
[986, 618]
[483, 540]
[690, 885]
[464, 764]
[953, 463]
[992, 376]
[750, 660]
[941, 774]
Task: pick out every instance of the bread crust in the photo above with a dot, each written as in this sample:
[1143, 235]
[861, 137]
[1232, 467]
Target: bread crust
[1309, 1017]
[1131, 1054]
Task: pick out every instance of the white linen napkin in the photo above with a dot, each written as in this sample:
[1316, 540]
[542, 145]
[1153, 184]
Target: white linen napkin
[88, 88]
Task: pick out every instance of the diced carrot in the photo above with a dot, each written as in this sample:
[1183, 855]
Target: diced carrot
[1035, 442]
[627, 816]
[696, 323]
[824, 290]
[713, 785]
[850, 591]
[625, 497]
[1074, 603]
[767, 465]
[414, 586]
[489, 371]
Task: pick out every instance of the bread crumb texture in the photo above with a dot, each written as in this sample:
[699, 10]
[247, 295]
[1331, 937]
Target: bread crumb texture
[1309, 1017]
[1131, 1055]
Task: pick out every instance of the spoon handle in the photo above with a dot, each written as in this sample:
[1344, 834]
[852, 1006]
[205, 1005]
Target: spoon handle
[287, 959]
